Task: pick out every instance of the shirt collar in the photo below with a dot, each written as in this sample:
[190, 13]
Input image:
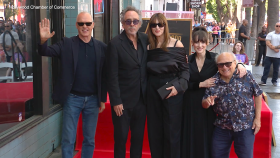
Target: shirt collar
[90, 43]
[208, 56]
[138, 39]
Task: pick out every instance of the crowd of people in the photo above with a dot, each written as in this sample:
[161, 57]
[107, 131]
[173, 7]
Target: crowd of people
[189, 112]
[8, 47]
[224, 33]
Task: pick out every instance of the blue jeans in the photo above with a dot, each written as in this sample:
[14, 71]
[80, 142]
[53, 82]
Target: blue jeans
[89, 106]
[267, 63]
[243, 143]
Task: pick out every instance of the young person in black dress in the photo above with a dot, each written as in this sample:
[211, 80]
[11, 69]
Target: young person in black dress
[197, 124]
[165, 62]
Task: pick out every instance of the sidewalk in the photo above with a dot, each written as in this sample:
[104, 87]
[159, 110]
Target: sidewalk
[274, 105]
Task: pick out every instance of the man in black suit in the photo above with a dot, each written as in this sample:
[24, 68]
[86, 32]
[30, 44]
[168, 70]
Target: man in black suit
[126, 79]
[80, 87]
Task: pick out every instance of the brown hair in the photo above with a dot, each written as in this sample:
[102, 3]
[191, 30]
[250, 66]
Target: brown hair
[199, 34]
[152, 38]
[242, 48]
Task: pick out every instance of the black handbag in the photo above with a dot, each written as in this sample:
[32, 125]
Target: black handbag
[163, 93]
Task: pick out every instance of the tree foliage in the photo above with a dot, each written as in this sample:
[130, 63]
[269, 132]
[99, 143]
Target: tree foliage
[222, 10]
[211, 7]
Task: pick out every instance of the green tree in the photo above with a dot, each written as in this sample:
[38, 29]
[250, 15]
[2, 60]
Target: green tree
[272, 14]
[222, 10]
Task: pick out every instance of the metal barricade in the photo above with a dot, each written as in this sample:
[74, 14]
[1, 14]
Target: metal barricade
[222, 45]
[250, 49]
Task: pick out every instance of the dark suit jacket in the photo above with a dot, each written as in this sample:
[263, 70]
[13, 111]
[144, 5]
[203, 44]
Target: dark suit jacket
[67, 51]
[126, 76]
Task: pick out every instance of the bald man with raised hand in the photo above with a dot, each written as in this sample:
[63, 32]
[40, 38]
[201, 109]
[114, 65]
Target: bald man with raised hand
[81, 84]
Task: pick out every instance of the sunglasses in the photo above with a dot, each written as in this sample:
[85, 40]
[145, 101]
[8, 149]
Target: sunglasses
[7, 26]
[154, 25]
[128, 22]
[227, 64]
[277, 26]
[82, 23]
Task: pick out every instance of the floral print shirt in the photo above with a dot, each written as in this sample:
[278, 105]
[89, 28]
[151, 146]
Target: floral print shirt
[234, 104]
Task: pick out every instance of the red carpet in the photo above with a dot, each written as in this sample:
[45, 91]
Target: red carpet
[104, 139]
[12, 100]
[262, 145]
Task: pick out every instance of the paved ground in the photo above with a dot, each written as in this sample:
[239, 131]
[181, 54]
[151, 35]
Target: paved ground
[274, 105]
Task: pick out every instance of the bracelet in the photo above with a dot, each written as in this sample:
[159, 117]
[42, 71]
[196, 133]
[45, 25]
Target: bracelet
[241, 64]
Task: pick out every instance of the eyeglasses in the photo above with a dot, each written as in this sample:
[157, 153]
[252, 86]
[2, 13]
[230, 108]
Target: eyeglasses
[277, 26]
[154, 25]
[128, 22]
[227, 64]
[82, 23]
[7, 26]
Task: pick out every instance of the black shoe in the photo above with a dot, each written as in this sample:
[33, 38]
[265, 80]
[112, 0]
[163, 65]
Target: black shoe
[257, 65]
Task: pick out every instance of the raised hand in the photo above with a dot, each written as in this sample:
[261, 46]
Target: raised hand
[210, 101]
[44, 28]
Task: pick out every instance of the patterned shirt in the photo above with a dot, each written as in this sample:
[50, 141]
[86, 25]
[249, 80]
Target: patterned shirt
[234, 104]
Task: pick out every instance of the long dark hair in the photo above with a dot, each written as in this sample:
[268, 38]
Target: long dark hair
[152, 38]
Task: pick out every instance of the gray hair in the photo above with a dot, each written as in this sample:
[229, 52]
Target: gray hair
[233, 56]
[130, 8]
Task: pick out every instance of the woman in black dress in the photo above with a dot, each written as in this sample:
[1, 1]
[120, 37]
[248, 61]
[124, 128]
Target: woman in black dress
[166, 61]
[197, 124]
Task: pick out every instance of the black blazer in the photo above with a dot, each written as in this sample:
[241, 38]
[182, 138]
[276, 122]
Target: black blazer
[67, 51]
[126, 76]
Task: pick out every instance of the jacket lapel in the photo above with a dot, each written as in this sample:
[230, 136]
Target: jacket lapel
[208, 60]
[127, 47]
[97, 50]
[75, 52]
[144, 46]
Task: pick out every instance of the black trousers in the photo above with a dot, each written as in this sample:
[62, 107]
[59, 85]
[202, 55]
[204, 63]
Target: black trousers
[133, 119]
[164, 120]
[223, 35]
[215, 36]
[262, 54]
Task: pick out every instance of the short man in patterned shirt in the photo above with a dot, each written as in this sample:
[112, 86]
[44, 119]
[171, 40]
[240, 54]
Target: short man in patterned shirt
[233, 100]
